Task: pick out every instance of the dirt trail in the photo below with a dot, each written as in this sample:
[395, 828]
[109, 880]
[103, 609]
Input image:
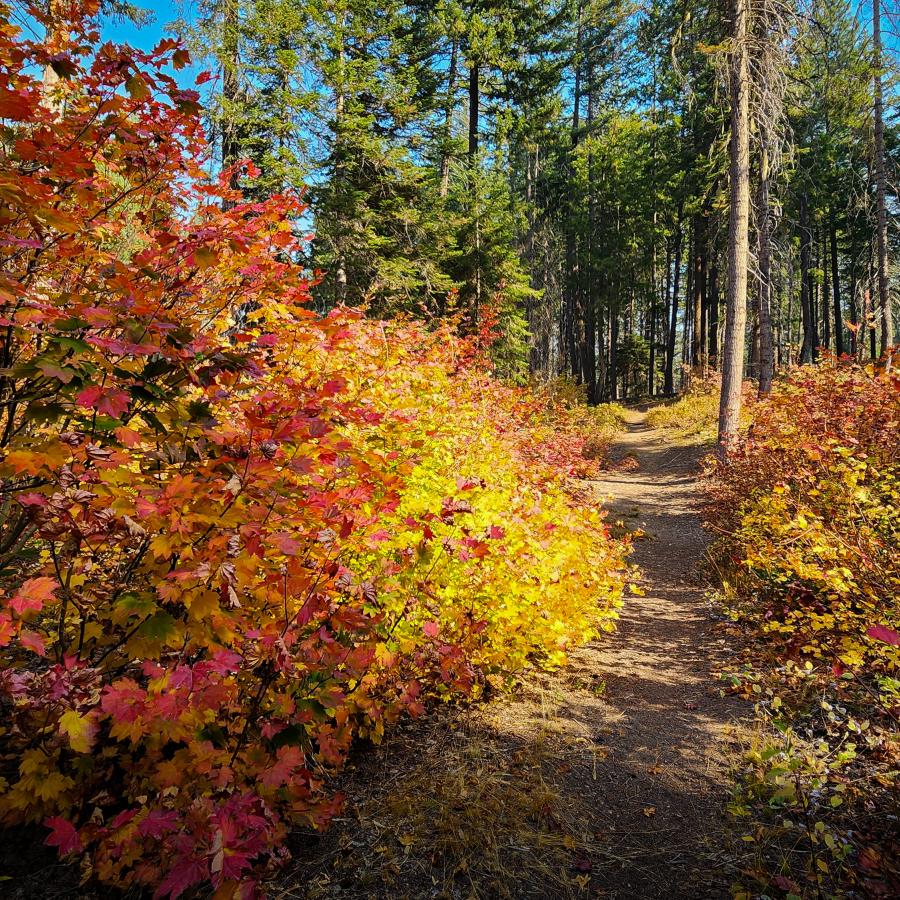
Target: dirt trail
[630, 737]
[668, 753]
[645, 697]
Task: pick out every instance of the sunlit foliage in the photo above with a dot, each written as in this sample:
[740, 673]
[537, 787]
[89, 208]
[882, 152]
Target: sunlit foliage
[234, 535]
[810, 504]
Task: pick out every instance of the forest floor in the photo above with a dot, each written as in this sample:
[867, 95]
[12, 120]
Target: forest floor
[606, 778]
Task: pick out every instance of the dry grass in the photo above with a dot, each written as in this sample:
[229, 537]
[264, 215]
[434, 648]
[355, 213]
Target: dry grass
[693, 415]
[465, 810]
[487, 817]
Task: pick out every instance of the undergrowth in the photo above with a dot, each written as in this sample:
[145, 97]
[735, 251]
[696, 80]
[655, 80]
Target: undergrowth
[589, 428]
[236, 537]
[808, 551]
[693, 414]
[461, 809]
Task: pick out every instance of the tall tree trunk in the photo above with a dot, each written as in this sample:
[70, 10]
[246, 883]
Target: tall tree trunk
[713, 328]
[669, 381]
[836, 289]
[688, 331]
[533, 305]
[340, 263]
[474, 102]
[651, 341]
[826, 294]
[446, 149]
[55, 35]
[699, 285]
[870, 312]
[230, 83]
[884, 297]
[667, 304]
[779, 321]
[230, 62]
[738, 229]
[613, 368]
[810, 338]
[589, 372]
[571, 285]
[790, 310]
[852, 289]
[764, 260]
[814, 287]
[654, 279]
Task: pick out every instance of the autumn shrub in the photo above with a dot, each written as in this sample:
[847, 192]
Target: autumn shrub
[806, 510]
[807, 505]
[695, 413]
[234, 535]
[575, 436]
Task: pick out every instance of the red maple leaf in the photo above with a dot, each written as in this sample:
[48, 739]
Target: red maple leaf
[63, 835]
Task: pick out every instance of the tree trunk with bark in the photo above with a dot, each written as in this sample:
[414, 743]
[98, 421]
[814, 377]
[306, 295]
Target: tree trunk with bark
[764, 262]
[669, 381]
[810, 338]
[836, 289]
[738, 229]
[448, 119]
[713, 316]
[884, 297]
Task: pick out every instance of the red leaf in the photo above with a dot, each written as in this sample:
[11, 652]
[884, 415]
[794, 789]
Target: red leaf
[158, 822]
[186, 873]
[884, 634]
[63, 835]
[112, 403]
[32, 498]
[33, 642]
[7, 629]
[33, 594]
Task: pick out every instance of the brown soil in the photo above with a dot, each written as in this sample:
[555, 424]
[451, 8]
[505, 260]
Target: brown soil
[669, 717]
[625, 749]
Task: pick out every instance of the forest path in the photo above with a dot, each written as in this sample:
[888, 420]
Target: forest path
[660, 795]
[606, 778]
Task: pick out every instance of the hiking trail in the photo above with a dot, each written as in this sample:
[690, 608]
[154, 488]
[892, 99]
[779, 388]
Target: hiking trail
[631, 737]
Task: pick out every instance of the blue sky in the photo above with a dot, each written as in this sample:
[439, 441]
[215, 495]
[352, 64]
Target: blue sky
[147, 36]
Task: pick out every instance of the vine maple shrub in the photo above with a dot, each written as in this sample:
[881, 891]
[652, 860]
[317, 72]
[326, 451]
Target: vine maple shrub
[809, 502]
[810, 557]
[234, 535]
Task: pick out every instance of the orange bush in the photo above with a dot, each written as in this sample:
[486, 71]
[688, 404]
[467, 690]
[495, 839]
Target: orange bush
[809, 503]
[234, 534]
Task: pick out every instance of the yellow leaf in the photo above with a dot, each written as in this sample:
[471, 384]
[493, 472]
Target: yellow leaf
[79, 729]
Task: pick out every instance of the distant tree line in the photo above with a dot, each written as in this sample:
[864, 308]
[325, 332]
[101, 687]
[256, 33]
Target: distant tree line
[569, 162]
